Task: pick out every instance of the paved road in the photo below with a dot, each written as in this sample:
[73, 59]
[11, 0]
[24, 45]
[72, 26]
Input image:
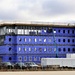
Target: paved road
[39, 73]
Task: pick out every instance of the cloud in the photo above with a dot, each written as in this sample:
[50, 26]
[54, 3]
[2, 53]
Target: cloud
[37, 10]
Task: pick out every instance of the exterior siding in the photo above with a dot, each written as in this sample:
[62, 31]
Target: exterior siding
[25, 48]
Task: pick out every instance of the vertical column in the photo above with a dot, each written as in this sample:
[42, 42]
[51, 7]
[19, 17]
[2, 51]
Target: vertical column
[5, 30]
[15, 29]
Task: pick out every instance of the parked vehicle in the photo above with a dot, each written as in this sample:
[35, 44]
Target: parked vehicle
[20, 65]
[31, 64]
[6, 65]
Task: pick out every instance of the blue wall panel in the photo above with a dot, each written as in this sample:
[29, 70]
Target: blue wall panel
[26, 47]
[39, 40]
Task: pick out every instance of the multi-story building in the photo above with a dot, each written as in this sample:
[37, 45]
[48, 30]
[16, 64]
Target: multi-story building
[22, 42]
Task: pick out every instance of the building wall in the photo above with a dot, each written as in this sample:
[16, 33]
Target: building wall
[34, 47]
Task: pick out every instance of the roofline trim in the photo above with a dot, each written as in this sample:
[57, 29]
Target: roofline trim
[60, 24]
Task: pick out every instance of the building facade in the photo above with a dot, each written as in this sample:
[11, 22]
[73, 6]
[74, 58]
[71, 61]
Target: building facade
[31, 42]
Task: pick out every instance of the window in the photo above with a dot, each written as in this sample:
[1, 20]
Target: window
[35, 59]
[68, 31]
[19, 49]
[10, 58]
[26, 31]
[44, 49]
[25, 58]
[30, 58]
[30, 39]
[44, 40]
[73, 49]
[20, 58]
[49, 40]
[40, 49]
[35, 40]
[25, 49]
[20, 39]
[68, 49]
[45, 31]
[19, 31]
[68, 40]
[73, 40]
[10, 49]
[34, 49]
[59, 40]
[40, 40]
[29, 49]
[63, 40]
[39, 31]
[9, 30]
[63, 31]
[54, 49]
[39, 58]
[9, 39]
[54, 31]
[72, 31]
[49, 30]
[25, 39]
[59, 49]
[50, 49]
[59, 31]
[64, 49]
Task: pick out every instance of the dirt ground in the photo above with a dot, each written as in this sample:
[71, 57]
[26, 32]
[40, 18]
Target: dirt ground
[39, 73]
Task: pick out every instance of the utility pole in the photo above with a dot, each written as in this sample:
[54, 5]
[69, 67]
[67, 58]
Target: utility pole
[55, 44]
[51, 30]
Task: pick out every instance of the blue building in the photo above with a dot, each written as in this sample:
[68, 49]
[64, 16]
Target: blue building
[20, 42]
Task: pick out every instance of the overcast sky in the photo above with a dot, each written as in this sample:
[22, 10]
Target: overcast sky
[37, 10]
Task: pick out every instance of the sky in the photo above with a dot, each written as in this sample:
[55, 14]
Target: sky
[37, 10]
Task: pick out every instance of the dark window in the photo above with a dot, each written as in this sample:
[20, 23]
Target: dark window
[72, 31]
[59, 49]
[20, 39]
[59, 31]
[49, 30]
[68, 49]
[59, 40]
[54, 29]
[10, 49]
[73, 49]
[63, 40]
[68, 31]
[72, 40]
[64, 49]
[68, 40]
[10, 58]
[20, 58]
[25, 58]
[9, 39]
[40, 49]
[63, 31]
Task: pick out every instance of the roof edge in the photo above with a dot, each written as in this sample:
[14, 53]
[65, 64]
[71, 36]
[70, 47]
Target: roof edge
[55, 24]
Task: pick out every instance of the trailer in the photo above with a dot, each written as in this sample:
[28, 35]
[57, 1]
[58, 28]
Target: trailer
[61, 62]
[70, 55]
